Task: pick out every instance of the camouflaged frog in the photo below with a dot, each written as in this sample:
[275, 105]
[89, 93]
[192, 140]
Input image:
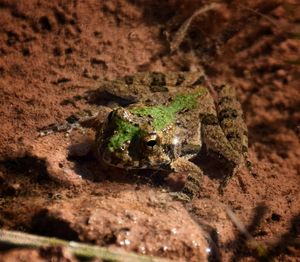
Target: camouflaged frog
[167, 120]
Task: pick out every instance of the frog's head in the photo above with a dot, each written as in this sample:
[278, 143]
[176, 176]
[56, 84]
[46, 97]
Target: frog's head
[128, 140]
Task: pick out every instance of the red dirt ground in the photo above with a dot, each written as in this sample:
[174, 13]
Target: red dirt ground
[53, 52]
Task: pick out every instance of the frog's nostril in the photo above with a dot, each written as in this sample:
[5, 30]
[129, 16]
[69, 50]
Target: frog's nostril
[151, 143]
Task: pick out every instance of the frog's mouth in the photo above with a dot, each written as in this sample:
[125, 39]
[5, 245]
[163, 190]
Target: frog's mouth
[126, 161]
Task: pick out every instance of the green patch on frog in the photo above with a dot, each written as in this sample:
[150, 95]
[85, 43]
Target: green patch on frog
[125, 131]
[162, 116]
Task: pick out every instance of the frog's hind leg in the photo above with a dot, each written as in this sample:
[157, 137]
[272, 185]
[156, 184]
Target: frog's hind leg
[215, 140]
[231, 120]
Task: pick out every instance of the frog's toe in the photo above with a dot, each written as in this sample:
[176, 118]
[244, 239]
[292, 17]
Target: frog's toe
[221, 189]
[180, 196]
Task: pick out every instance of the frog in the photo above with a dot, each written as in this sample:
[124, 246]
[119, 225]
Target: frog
[164, 120]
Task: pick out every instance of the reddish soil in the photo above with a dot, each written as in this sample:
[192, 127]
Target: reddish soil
[52, 53]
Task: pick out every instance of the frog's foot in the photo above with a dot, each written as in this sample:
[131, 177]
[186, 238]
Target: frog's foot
[227, 178]
[192, 185]
[79, 120]
[180, 196]
[223, 185]
[249, 166]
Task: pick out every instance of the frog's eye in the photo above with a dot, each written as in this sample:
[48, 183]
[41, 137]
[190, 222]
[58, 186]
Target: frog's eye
[151, 141]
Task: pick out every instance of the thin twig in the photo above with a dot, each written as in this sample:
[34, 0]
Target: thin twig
[78, 249]
[268, 18]
[181, 33]
[260, 247]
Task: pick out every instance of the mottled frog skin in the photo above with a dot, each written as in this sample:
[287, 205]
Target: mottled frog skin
[169, 117]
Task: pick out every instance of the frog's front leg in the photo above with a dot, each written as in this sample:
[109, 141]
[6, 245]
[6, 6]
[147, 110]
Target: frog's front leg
[193, 182]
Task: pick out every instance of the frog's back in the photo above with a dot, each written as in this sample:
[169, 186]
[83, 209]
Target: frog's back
[153, 87]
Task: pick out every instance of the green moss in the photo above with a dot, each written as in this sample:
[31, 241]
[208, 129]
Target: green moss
[124, 132]
[162, 116]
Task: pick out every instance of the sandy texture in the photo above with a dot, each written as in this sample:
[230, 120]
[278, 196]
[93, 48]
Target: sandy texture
[53, 53]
